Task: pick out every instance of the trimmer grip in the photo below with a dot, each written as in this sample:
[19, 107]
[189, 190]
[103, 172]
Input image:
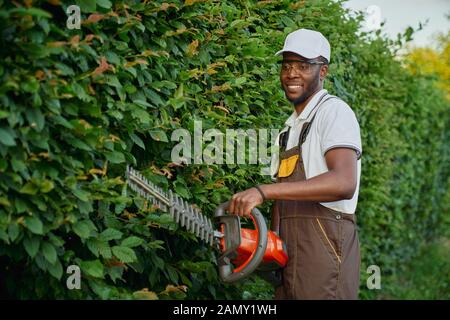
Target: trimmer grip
[232, 229]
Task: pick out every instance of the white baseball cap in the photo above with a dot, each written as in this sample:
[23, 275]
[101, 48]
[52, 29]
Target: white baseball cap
[307, 43]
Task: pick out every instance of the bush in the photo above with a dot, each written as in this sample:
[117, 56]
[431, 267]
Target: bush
[78, 105]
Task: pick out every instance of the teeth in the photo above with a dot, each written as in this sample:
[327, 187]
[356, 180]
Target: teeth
[188, 216]
[197, 222]
[294, 87]
[172, 205]
[202, 227]
[183, 215]
[177, 210]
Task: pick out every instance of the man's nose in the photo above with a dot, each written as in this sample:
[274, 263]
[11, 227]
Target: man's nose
[292, 73]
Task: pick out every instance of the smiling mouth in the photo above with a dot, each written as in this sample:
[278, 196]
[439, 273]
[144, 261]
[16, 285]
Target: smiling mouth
[294, 87]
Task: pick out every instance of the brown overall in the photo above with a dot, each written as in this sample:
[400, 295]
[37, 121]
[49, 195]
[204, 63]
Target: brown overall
[322, 244]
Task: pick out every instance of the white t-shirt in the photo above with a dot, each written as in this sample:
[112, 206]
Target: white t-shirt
[335, 125]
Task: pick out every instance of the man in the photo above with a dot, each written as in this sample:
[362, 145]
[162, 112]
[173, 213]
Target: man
[317, 179]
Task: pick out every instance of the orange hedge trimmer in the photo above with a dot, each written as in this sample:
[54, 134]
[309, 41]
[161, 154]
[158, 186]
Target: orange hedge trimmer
[242, 250]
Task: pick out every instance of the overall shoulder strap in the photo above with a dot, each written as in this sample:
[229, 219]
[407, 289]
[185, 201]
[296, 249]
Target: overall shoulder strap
[307, 125]
[284, 139]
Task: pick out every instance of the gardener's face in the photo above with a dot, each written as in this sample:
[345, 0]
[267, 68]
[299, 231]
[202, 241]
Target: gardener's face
[300, 80]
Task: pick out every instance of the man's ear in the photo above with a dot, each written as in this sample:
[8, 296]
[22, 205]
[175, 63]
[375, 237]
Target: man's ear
[323, 72]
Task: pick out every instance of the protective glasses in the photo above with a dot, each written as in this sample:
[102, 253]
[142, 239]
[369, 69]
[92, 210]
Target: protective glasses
[299, 66]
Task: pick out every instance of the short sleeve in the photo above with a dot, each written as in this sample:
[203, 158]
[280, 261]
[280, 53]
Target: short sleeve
[338, 127]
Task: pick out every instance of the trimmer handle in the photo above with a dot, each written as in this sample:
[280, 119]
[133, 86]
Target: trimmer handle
[232, 240]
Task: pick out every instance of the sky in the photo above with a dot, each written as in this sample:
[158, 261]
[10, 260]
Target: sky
[399, 14]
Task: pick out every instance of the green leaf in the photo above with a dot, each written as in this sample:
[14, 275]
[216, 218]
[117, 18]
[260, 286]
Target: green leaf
[238, 23]
[49, 252]
[34, 224]
[29, 188]
[124, 254]
[18, 165]
[4, 236]
[166, 84]
[142, 103]
[35, 118]
[62, 121]
[92, 244]
[240, 81]
[92, 268]
[46, 186]
[4, 202]
[141, 115]
[120, 207]
[159, 135]
[165, 218]
[110, 234]
[81, 194]
[137, 140]
[156, 244]
[7, 137]
[159, 263]
[113, 81]
[179, 93]
[185, 280]
[173, 275]
[182, 190]
[53, 105]
[99, 247]
[80, 92]
[13, 231]
[154, 97]
[55, 269]
[4, 114]
[41, 262]
[86, 5]
[31, 246]
[32, 12]
[104, 4]
[30, 86]
[56, 240]
[37, 100]
[129, 88]
[115, 157]
[83, 228]
[85, 207]
[115, 272]
[104, 250]
[77, 143]
[20, 205]
[3, 164]
[132, 242]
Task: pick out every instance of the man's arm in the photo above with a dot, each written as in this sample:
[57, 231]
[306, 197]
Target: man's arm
[336, 184]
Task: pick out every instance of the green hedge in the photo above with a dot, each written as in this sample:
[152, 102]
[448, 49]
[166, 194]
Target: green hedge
[78, 105]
